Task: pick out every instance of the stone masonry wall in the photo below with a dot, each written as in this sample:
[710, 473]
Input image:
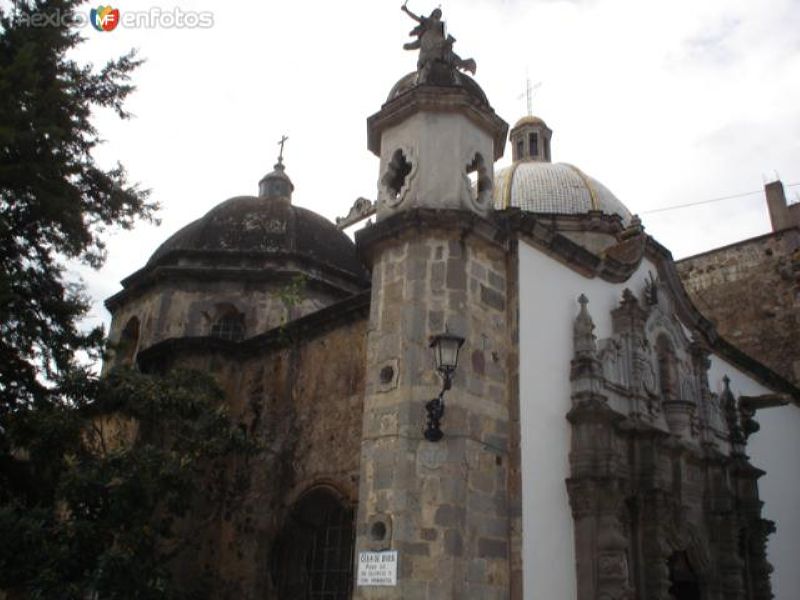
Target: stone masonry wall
[444, 505]
[303, 403]
[183, 308]
[751, 290]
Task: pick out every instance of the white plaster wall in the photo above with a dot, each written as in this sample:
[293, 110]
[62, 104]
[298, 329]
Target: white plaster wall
[776, 450]
[548, 307]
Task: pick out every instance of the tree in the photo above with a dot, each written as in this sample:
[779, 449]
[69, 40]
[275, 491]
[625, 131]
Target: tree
[103, 494]
[55, 201]
[80, 514]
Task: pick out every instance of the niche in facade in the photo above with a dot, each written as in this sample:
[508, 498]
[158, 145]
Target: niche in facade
[667, 369]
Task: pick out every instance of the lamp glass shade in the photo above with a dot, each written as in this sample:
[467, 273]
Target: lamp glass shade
[445, 349]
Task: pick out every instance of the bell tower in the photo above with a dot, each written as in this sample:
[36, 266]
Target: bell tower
[436, 507]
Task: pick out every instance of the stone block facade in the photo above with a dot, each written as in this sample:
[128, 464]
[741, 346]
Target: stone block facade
[301, 399]
[444, 506]
[751, 290]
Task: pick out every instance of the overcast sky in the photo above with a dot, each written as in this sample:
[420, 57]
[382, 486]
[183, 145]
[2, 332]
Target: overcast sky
[666, 103]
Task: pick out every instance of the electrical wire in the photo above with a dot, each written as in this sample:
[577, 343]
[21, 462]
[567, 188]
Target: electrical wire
[720, 199]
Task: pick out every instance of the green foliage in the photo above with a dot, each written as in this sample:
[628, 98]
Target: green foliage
[292, 294]
[55, 201]
[98, 477]
[100, 492]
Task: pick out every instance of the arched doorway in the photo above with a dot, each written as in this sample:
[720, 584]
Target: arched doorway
[684, 584]
[313, 555]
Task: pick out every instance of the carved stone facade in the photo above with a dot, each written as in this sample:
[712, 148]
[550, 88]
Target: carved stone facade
[664, 498]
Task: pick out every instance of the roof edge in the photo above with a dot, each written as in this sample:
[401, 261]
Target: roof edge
[150, 275]
[305, 328]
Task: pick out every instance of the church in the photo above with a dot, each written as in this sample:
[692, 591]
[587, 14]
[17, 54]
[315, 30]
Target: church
[500, 390]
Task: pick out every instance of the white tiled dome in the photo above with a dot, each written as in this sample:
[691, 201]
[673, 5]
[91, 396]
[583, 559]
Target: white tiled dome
[554, 188]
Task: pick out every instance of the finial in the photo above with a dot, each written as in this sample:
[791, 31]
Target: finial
[651, 289]
[583, 330]
[280, 156]
[277, 184]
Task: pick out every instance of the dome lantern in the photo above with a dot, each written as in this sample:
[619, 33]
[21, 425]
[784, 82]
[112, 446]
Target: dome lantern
[530, 140]
[277, 185]
[535, 184]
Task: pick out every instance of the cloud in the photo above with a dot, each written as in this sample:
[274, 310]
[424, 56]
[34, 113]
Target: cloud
[663, 102]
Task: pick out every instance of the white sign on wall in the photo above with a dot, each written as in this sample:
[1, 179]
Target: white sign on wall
[377, 568]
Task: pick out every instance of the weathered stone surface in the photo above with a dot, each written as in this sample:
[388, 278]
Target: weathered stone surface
[492, 548]
[493, 298]
[751, 290]
[461, 505]
[310, 423]
[453, 542]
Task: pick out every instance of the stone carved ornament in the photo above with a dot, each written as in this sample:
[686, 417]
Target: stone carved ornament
[699, 521]
[630, 358]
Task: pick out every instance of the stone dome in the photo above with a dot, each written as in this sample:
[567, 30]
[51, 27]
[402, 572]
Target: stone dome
[529, 120]
[250, 226]
[554, 188]
[461, 80]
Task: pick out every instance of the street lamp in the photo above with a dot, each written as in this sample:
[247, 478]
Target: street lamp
[445, 350]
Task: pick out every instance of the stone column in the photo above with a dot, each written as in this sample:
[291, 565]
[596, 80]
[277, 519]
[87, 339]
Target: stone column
[443, 506]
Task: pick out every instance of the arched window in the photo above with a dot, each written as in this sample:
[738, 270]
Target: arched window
[128, 343]
[313, 555]
[533, 143]
[229, 325]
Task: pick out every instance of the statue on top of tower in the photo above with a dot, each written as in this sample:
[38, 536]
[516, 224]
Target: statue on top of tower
[437, 62]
